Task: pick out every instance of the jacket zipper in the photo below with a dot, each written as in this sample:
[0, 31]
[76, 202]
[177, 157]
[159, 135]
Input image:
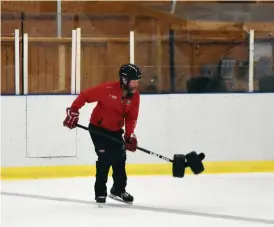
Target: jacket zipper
[123, 114]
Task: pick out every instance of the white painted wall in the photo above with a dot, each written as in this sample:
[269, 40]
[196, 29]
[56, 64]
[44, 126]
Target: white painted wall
[224, 126]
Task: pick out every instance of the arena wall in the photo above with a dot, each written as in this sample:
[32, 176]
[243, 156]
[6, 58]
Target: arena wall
[235, 131]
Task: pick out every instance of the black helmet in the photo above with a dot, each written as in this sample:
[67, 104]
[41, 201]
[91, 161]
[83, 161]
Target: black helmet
[127, 73]
[130, 72]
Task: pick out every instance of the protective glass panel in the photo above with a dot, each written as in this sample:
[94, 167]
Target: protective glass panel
[210, 61]
[209, 55]
[263, 74]
[151, 55]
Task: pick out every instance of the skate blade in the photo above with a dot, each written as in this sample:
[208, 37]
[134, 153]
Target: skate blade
[119, 199]
[101, 205]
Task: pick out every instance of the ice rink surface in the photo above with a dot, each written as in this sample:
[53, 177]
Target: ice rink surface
[236, 200]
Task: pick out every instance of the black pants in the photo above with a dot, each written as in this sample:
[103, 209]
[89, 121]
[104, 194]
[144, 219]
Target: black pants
[110, 154]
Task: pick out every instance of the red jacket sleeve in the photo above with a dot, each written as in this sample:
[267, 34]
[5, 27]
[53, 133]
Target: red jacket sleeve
[132, 116]
[93, 94]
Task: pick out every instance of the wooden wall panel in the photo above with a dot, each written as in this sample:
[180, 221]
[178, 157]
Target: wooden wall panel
[33, 70]
[50, 71]
[29, 6]
[165, 67]
[146, 59]
[44, 68]
[183, 64]
[10, 68]
[67, 87]
[117, 26]
[4, 64]
[108, 26]
[94, 64]
[145, 25]
[9, 25]
[69, 22]
[7, 68]
[36, 27]
[117, 54]
[34, 24]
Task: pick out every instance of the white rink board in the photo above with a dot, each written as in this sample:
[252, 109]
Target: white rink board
[13, 129]
[45, 117]
[224, 126]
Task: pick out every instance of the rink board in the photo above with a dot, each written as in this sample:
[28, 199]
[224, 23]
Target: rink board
[39, 172]
[235, 131]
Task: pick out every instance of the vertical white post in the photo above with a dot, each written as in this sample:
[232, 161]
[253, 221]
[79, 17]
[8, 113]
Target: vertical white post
[131, 47]
[73, 61]
[25, 66]
[16, 61]
[59, 18]
[251, 61]
[78, 60]
[173, 7]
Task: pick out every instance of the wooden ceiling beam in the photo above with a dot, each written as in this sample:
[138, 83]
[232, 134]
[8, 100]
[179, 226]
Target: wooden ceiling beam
[209, 26]
[124, 7]
[154, 13]
[29, 6]
[89, 7]
[92, 7]
[261, 27]
[132, 8]
[168, 2]
[226, 26]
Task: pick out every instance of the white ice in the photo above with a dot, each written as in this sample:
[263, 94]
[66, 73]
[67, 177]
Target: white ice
[238, 200]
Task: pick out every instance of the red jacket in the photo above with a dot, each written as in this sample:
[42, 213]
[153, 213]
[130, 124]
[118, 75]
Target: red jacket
[112, 111]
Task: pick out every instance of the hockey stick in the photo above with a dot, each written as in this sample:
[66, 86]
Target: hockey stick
[202, 156]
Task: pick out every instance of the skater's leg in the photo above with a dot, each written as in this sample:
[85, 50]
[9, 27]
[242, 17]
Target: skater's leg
[110, 153]
[102, 165]
[102, 170]
[120, 180]
[119, 174]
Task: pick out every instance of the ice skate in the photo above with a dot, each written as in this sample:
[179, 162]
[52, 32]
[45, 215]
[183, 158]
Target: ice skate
[100, 200]
[124, 197]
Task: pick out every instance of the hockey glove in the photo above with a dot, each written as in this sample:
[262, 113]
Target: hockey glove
[71, 119]
[131, 142]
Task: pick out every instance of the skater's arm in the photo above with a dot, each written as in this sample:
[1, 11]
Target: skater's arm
[89, 95]
[131, 118]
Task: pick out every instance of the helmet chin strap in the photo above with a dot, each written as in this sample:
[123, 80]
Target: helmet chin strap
[124, 85]
[128, 92]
